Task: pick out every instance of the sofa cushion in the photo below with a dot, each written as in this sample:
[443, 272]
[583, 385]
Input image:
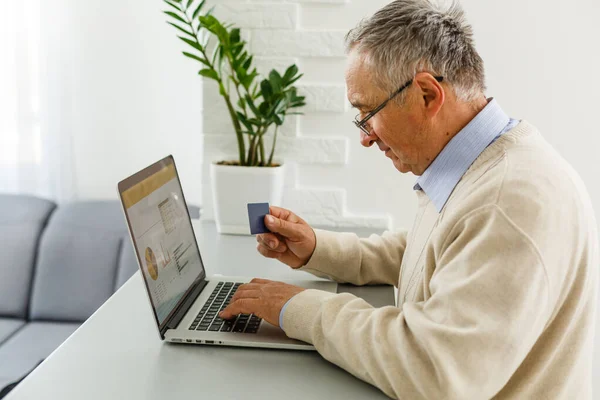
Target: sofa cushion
[31, 344]
[78, 261]
[22, 219]
[85, 255]
[8, 326]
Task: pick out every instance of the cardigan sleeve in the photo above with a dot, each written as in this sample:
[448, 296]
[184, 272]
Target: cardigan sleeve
[346, 258]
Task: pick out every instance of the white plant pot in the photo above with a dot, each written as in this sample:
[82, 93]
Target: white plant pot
[233, 187]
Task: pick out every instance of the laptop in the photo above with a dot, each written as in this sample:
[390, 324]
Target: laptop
[185, 301]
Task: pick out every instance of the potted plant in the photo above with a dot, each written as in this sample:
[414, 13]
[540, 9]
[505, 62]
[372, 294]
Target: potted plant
[257, 108]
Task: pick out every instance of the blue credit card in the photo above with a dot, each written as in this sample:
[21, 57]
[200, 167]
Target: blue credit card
[256, 216]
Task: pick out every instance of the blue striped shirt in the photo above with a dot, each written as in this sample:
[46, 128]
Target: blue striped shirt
[441, 177]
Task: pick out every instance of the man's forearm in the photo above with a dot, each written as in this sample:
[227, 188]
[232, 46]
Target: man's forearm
[344, 257]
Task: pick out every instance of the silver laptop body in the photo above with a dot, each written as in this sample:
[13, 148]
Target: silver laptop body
[185, 301]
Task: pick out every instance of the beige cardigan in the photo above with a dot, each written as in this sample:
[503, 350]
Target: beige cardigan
[497, 293]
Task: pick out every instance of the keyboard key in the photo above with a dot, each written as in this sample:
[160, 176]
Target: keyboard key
[202, 328]
[214, 328]
[238, 329]
[226, 328]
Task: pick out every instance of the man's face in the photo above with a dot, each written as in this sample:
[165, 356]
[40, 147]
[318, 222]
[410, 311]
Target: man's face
[401, 132]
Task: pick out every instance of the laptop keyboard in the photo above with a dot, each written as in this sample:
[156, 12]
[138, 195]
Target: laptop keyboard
[208, 318]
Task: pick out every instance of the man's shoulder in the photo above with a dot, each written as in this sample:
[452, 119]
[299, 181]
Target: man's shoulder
[529, 181]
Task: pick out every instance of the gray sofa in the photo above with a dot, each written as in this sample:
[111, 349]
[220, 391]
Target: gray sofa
[58, 264]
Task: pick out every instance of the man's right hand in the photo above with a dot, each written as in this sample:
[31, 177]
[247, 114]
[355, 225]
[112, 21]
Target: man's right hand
[292, 240]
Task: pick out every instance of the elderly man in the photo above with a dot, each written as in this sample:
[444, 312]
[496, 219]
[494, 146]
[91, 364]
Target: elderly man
[497, 277]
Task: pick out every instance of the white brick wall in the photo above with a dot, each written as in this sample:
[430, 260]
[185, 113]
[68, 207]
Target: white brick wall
[258, 15]
[323, 97]
[276, 38]
[298, 43]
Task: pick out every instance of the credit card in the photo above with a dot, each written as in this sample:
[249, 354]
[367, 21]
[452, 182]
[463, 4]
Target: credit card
[256, 217]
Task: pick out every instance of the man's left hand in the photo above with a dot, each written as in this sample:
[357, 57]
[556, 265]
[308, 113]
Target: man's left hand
[261, 297]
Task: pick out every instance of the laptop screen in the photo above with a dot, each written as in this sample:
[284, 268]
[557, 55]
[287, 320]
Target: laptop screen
[162, 235]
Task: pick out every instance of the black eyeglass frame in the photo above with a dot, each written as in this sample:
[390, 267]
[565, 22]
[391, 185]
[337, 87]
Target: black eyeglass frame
[361, 124]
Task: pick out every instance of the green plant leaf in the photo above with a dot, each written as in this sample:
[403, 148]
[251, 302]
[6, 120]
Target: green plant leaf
[266, 89]
[247, 63]
[256, 91]
[207, 21]
[173, 15]
[197, 10]
[290, 73]
[181, 29]
[234, 35]
[256, 122]
[192, 43]
[209, 73]
[294, 80]
[239, 60]
[252, 106]
[173, 5]
[215, 54]
[195, 57]
[275, 80]
[246, 123]
[236, 49]
[213, 25]
[246, 81]
[189, 3]
[263, 108]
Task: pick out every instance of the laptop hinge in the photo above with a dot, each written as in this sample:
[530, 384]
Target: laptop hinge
[184, 307]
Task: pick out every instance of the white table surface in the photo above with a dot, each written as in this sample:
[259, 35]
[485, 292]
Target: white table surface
[117, 353]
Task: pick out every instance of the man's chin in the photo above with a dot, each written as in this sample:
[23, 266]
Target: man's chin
[400, 166]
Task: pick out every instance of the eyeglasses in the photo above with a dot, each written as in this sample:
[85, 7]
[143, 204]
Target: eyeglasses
[362, 124]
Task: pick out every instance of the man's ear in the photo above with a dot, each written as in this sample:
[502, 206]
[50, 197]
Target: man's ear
[431, 91]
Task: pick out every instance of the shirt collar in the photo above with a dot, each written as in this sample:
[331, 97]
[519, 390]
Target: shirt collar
[441, 177]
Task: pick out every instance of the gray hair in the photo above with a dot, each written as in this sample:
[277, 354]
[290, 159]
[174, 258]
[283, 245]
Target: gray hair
[410, 36]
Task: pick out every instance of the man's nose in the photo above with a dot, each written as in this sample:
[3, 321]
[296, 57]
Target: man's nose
[367, 140]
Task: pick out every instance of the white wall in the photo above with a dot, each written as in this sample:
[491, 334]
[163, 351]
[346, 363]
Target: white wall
[121, 88]
[132, 97]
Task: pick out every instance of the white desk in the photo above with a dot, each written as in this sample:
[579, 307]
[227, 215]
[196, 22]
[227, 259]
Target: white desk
[117, 354]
